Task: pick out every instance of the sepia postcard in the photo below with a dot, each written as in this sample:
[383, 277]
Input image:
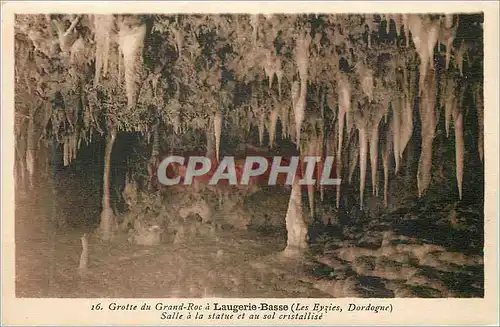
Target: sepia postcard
[250, 163]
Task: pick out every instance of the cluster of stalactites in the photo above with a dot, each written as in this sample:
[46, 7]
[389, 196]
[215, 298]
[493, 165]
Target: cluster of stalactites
[130, 39]
[395, 135]
[381, 123]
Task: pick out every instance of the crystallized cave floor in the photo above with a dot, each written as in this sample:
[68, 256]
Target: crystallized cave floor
[409, 252]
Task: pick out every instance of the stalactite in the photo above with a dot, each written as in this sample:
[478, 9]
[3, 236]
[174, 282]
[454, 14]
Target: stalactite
[210, 153]
[428, 117]
[448, 33]
[269, 68]
[396, 128]
[299, 114]
[302, 62]
[459, 57]
[406, 127]
[261, 128]
[279, 75]
[479, 101]
[31, 147]
[66, 153]
[386, 152]
[311, 148]
[459, 149]
[374, 137]
[75, 144]
[217, 132]
[70, 148]
[155, 149]
[331, 145]
[179, 39]
[449, 103]
[284, 120]
[295, 92]
[77, 52]
[30, 165]
[273, 120]
[407, 29]
[363, 149]
[371, 27]
[353, 159]
[366, 77]
[319, 151]
[176, 122]
[131, 41]
[425, 33]
[103, 25]
[254, 22]
[398, 21]
[344, 92]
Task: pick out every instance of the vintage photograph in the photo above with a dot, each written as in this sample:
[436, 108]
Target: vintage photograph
[249, 155]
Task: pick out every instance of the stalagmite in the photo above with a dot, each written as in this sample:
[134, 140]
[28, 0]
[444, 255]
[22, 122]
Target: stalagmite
[131, 41]
[428, 117]
[103, 25]
[459, 149]
[295, 225]
[217, 132]
[107, 223]
[84, 255]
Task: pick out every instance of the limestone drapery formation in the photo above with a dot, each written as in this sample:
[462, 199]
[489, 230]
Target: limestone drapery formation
[190, 72]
